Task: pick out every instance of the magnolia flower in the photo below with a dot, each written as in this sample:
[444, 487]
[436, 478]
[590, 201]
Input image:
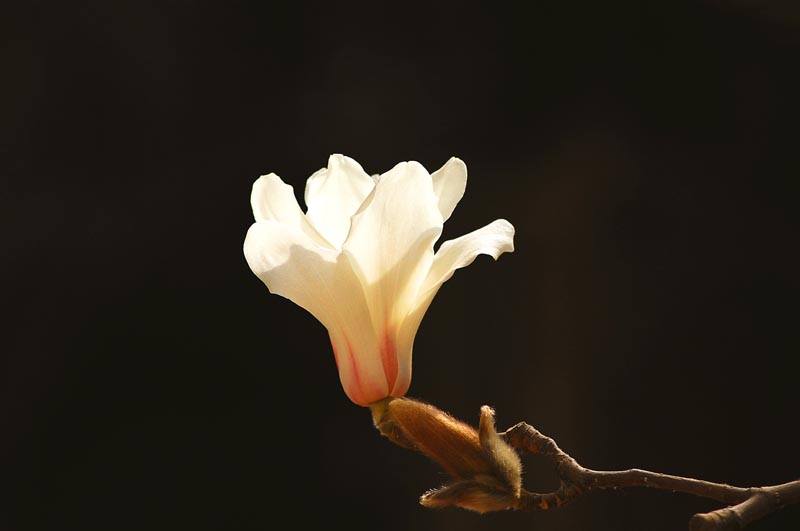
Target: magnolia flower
[361, 259]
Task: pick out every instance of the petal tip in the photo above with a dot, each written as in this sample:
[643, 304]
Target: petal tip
[266, 180]
[335, 158]
[458, 162]
[506, 226]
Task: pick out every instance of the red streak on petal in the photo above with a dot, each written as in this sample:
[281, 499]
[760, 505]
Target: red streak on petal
[354, 388]
[389, 358]
[354, 368]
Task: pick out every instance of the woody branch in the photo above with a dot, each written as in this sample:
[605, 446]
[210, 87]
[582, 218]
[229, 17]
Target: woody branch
[743, 505]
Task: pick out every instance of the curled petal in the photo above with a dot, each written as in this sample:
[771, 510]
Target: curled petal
[334, 194]
[449, 183]
[494, 239]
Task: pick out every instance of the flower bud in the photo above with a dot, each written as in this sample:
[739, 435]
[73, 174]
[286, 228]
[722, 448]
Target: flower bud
[487, 472]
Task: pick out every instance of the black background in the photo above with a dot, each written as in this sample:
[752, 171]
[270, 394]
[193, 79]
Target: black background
[646, 154]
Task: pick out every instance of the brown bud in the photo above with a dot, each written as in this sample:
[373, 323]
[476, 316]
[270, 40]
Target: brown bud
[486, 470]
[474, 495]
[504, 459]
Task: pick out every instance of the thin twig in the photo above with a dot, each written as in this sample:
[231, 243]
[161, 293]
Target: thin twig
[743, 505]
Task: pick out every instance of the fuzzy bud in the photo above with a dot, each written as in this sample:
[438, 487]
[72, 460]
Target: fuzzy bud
[487, 472]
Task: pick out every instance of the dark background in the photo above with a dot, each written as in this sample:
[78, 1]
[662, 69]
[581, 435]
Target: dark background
[647, 156]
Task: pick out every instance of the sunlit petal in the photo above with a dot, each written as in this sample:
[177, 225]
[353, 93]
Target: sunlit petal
[449, 183]
[320, 280]
[334, 194]
[391, 248]
[272, 199]
[493, 239]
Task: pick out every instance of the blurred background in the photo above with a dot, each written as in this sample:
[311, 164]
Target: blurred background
[647, 155]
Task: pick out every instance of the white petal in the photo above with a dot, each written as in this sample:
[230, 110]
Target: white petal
[405, 335]
[391, 247]
[320, 280]
[273, 199]
[334, 194]
[449, 183]
[494, 239]
[292, 265]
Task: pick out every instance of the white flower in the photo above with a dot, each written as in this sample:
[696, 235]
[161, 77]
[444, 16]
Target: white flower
[361, 259]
